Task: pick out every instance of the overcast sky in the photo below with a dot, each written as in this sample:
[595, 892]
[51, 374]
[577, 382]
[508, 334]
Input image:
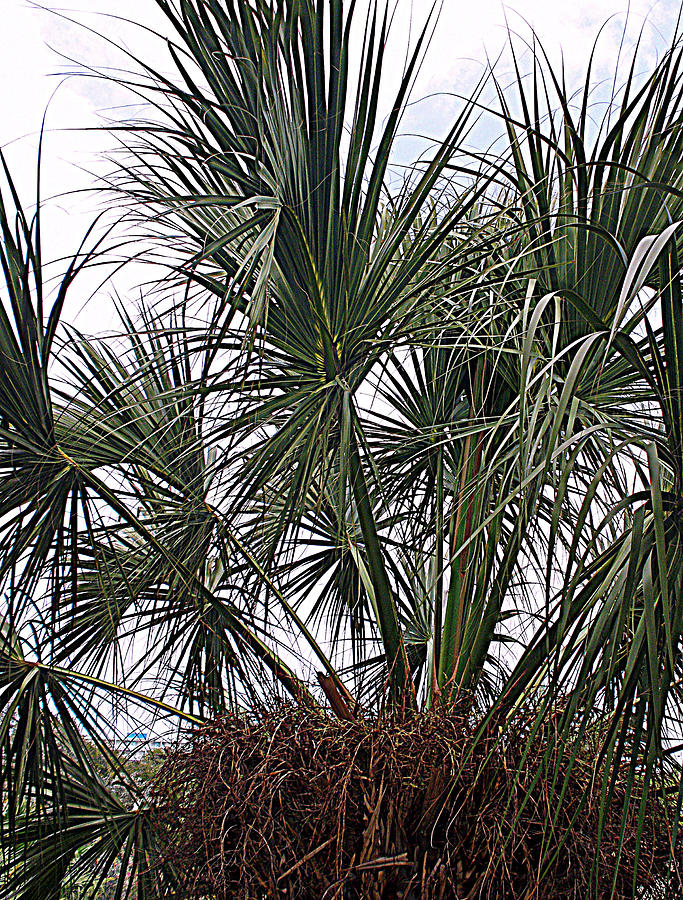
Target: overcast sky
[468, 30]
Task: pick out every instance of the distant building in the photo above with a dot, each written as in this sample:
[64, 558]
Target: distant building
[137, 743]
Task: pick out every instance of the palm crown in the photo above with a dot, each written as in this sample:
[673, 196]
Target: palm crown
[427, 440]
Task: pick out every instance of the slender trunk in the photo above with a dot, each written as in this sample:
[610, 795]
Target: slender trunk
[464, 516]
[437, 623]
[401, 686]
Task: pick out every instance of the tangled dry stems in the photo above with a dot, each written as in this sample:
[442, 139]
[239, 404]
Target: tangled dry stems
[291, 803]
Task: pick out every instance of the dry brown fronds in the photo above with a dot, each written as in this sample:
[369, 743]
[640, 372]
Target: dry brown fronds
[290, 803]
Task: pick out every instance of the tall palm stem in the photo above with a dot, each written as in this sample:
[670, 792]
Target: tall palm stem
[463, 519]
[437, 619]
[400, 682]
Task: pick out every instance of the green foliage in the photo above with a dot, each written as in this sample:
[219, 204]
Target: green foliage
[425, 437]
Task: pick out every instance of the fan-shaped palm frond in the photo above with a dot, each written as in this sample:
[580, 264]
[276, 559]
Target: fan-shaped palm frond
[424, 434]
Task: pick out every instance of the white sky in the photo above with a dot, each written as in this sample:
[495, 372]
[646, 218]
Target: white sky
[467, 30]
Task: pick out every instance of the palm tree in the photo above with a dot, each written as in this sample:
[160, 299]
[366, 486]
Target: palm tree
[425, 436]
